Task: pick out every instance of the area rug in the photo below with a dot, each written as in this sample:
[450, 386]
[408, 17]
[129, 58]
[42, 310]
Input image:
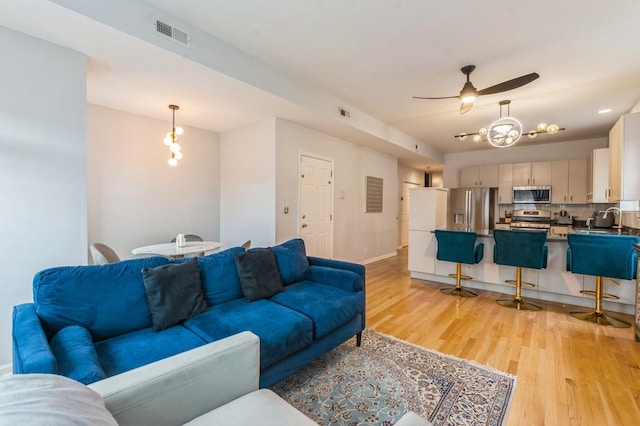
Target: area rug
[386, 377]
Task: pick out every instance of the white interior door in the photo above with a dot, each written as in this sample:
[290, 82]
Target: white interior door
[404, 228]
[316, 205]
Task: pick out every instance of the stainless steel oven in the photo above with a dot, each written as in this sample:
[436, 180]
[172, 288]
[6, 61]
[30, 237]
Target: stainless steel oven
[531, 220]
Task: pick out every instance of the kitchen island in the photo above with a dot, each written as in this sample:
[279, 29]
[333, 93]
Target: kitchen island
[554, 283]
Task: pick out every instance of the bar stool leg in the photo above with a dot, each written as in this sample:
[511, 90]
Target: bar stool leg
[517, 302]
[458, 290]
[598, 316]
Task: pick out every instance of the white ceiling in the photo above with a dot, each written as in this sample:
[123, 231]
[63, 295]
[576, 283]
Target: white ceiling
[373, 55]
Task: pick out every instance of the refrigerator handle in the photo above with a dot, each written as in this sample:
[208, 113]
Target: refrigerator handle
[468, 209]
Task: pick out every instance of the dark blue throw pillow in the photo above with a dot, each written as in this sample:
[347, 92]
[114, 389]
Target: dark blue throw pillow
[76, 355]
[174, 292]
[258, 274]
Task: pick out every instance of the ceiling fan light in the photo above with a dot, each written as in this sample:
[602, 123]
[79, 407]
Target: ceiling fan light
[468, 99]
[542, 127]
[553, 129]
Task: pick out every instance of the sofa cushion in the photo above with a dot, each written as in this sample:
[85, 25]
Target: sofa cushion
[128, 351]
[258, 274]
[76, 355]
[337, 308]
[281, 330]
[52, 400]
[219, 276]
[108, 300]
[291, 257]
[174, 293]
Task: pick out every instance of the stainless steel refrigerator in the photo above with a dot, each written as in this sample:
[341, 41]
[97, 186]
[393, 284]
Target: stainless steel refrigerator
[472, 209]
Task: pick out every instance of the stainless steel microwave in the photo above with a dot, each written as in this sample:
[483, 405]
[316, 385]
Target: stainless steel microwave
[531, 194]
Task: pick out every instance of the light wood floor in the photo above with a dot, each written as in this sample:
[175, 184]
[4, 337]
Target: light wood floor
[569, 372]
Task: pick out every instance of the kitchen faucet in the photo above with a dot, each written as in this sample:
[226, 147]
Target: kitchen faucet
[615, 209]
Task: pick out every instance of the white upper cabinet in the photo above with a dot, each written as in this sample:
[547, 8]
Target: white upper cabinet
[598, 176]
[532, 174]
[569, 181]
[624, 152]
[479, 176]
[505, 183]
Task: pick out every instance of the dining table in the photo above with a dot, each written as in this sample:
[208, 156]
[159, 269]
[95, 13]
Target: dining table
[173, 250]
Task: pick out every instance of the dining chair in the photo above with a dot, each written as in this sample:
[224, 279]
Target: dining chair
[103, 254]
[246, 245]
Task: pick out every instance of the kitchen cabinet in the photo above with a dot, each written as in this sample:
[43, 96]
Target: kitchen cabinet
[479, 176]
[624, 151]
[569, 181]
[505, 183]
[598, 176]
[532, 174]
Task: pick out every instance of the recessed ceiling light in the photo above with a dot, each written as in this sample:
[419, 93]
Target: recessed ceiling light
[604, 111]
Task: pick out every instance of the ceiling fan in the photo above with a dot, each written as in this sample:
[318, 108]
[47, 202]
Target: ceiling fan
[469, 93]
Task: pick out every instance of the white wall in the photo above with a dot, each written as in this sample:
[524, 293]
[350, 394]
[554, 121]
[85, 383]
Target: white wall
[43, 216]
[354, 231]
[517, 154]
[248, 185]
[135, 197]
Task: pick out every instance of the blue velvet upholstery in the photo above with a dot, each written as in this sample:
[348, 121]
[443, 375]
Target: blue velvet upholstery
[611, 256]
[526, 249]
[282, 331]
[219, 276]
[131, 350]
[291, 257]
[346, 280]
[108, 300]
[31, 350]
[76, 355]
[338, 307]
[459, 246]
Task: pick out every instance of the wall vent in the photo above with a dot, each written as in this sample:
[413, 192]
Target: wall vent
[373, 202]
[169, 31]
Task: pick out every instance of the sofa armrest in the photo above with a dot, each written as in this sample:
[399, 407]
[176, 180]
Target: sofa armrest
[340, 278]
[338, 264]
[179, 388]
[31, 350]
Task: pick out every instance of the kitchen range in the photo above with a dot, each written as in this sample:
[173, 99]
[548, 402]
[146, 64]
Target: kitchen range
[531, 220]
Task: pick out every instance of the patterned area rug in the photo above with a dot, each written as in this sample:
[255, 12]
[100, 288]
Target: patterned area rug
[386, 377]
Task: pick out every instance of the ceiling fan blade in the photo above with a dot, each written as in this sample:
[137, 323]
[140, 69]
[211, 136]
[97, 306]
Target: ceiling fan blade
[441, 97]
[465, 107]
[509, 85]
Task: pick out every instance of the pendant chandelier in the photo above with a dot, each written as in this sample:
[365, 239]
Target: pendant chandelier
[172, 137]
[506, 131]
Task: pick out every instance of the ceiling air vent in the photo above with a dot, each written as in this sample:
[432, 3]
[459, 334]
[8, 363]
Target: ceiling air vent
[169, 31]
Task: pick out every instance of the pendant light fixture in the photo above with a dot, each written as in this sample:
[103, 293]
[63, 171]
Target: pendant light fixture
[506, 131]
[172, 137]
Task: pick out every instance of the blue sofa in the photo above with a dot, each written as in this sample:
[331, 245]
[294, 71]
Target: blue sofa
[92, 322]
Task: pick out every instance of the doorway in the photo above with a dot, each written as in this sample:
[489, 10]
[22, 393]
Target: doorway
[316, 205]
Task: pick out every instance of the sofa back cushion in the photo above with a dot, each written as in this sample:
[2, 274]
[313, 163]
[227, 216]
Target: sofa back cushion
[108, 300]
[291, 257]
[220, 277]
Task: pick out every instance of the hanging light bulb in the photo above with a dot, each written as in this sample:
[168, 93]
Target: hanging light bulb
[482, 131]
[477, 138]
[552, 129]
[172, 137]
[542, 127]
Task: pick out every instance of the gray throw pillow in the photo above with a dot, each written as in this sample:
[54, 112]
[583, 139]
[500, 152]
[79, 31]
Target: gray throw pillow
[174, 292]
[258, 274]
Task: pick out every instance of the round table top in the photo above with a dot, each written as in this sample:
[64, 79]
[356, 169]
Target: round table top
[172, 249]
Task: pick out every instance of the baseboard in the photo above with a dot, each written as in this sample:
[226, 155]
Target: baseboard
[6, 369]
[375, 259]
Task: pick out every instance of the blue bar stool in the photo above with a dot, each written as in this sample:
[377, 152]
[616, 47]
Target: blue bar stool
[522, 249]
[459, 247]
[610, 256]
